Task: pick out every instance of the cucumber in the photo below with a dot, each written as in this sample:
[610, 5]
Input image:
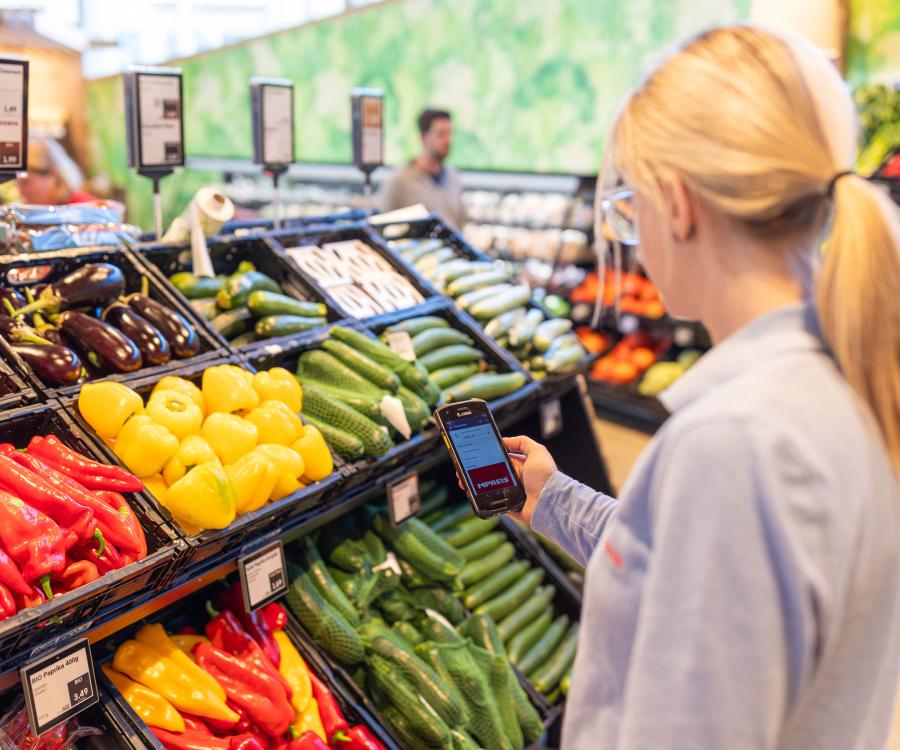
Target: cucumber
[321, 366]
[415, 326]
[565, 683]
[433, 496]
[435, 631]
[372, 348]
[469, 530]
[422, 250]
[483, 631]
[568, 340]
[499, 326]
[515, 621]
[238, 286]
[485, 385]
[363, 365]
[365, 405]
[457, 514]
[430, 653]
[548, 675]
[248, 337]
[263, 303]
[398, 723]
[232, 323]
[478, 570]
[513, 597]
[541, 651]
[456, 354]
[284, 325]
[560, 360]
[434, 542]
[417, 411]
[523, 331]
[446, 604]
[196, 287]
[465, 301]
[481, 547]
[407, 632]
[449, 376]
[205, 307]
[375, 438]
[491, 307]
[470, 268]
[435, 338]
[425, 558]
[321, 577]
[471, 282]
[528, 636]
[347, 446]
[547, 331]
[433, 260]
[495, 583]
[437, 276]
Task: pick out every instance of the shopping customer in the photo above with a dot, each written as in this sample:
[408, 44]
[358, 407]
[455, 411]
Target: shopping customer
[53, 178]
[426, 179]
[744, 591]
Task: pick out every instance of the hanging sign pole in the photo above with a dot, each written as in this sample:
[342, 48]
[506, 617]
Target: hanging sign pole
[272, 108]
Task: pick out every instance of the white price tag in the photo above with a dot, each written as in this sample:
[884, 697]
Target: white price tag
[59, 686]
[13, 114]
[400, 343]
[551, 418]
[403, 498]
[263, 575]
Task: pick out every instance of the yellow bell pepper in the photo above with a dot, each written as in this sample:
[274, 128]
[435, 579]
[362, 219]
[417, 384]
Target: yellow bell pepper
[289, 465]
[276, 423]
[229, 435]
[147, 666]
[107, 406]
[176, 412]
[156, 637]
[281, 385]
[228, 388]
[310, 721]
[318, 462]
[153, 709]
[295, 672]
[145, 446]
[187, 527]
[172, 383]
[186, 642]
[253, 477]
[192, 451]
[203, 497]
[156, 486]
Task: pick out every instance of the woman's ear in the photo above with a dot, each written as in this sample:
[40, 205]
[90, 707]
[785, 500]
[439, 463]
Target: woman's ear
[679, 207]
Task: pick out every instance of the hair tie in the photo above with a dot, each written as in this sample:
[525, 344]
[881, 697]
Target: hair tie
[829, 191]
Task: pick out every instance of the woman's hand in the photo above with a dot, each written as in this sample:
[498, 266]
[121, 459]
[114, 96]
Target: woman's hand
[534, 471]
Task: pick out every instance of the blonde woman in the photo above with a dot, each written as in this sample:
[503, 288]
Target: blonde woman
[744, 591]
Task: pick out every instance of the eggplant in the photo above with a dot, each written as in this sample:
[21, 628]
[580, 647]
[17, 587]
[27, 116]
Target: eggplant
[102, 345]
[54, 364]
[89, 286]
[14, 330]
[178, 332]
[16, 300]
[153, 345]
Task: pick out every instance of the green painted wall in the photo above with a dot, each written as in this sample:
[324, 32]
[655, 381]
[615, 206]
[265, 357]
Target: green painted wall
[873, 42]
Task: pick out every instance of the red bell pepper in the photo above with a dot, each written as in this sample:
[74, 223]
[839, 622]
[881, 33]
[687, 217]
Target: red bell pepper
[252, 688]
[118, 503]
[190, 740]
[77, 574]
[329, 711]
[308, 741]
[90, 474]
[246, 742]
[254, 623]
[361, 739]
[32, 540]
[7, 603]
[275, 616]
[18, 732]
[11, 577]
[112, 559]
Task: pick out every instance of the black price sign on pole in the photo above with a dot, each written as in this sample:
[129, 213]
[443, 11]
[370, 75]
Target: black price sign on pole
[272, 107]
[13, 116]
[59, 685]
[367, 106]
[263, 575]
[403, 498]
[154, 125]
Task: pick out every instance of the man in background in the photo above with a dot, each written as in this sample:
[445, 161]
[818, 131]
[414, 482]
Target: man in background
[425, 179]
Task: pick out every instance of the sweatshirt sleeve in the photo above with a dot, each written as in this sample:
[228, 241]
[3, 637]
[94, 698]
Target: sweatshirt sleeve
[572, 515]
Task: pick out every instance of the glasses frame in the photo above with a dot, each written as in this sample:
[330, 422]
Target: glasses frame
[607, 200]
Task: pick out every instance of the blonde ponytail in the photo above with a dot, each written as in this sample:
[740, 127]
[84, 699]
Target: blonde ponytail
[858, 299]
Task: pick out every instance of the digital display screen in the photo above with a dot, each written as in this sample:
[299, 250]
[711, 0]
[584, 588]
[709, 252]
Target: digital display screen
[480, 453]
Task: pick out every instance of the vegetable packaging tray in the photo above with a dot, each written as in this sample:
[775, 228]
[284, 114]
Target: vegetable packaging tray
[213, 546]
[381, 262]
[226, 254]
[98, 600]
[47, 267]
[191, 612]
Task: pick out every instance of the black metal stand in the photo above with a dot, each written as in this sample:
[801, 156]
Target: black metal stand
[275, 172]
[155, 176]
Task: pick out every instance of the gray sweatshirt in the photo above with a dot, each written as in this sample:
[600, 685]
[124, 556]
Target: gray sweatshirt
[411, 184]
[744, 592]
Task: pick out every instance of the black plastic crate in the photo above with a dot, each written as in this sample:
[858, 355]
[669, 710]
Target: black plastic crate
[320, 235]
[243, 227]
[216, 545]
[14, 391]
[432, 227]
[226, 253]
[87, 604]
[59, 264]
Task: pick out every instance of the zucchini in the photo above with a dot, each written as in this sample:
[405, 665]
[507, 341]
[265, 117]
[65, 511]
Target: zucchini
[375, 438]
[526, 713]
[232, 323]
[435, 631]
[435, 338]
[470, 268]
[481, 547]
[547, 331]
[321, 577]
[365, 405]
[415, 326]
[285, 325]
[523, 331]
[412, 578]
[541, 651]
[456, 354]
[196, 287]
[363, 365]
[471, 282]
[495, 583]
[528, 636]
[513, 597]
[437, 276]
[424, 248]
[491, 307]
[372, 348]
[499, 326]
[485, 385]
[399, 723]
[248, 337]
[238, 286]
[465, 301]
[263, 303]
[446, 604]
[433, 260]
[515, 621]
[347, 446]
[565, 683]
[469, 530]
[549, 674]
[478, 570]
[562, 359]
[457, 514]
[430, 654]
[417, 412]
[407, 632]
[205, 307]
[433, 496]
[449, 376]
[316, 364]
[425, 558]
[483, 631]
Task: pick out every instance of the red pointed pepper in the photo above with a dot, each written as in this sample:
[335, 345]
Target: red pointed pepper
[91, 474]
[361, 739]
[246, 742]
[32, 540]
[119, 504]
[11, 576]
[254, 623]
[308, 741]
[329, 711]
[112, 559]
[76, 574]
[275, 616]
[189, 740]
[7, 603]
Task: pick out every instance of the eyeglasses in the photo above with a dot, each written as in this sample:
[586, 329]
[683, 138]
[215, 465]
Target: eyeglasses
[618, 215]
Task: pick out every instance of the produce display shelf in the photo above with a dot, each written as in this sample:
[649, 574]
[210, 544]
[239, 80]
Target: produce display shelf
[625, 403]
[241, 227]
[14, 391]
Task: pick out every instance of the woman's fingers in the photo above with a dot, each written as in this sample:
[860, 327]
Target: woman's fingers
[520, 444]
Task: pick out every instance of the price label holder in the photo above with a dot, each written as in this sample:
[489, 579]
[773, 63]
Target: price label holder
[154, 126]
[263, 575]
[272, 109]
[59, 685]
[367, 106]
[400, 342]
[551, 418]
[13, 116]
[403, 498]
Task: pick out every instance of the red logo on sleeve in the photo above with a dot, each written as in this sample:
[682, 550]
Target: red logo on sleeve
[490, 478]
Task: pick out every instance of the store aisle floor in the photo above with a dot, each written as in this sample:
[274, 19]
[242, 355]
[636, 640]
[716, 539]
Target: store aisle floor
[621, 446]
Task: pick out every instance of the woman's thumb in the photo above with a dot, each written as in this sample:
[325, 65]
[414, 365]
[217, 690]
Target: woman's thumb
[519, 444]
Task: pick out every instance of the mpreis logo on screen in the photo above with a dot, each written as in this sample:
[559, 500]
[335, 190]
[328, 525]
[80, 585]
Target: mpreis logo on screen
[480, 453]
[490, 478]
